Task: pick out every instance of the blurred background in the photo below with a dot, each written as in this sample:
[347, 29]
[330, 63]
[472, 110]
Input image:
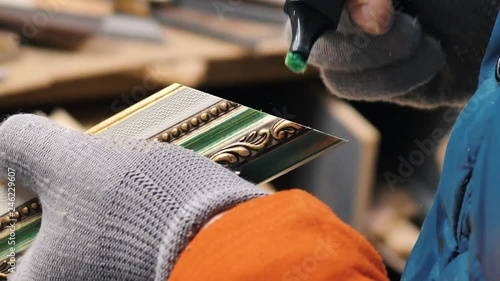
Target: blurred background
[82, 61]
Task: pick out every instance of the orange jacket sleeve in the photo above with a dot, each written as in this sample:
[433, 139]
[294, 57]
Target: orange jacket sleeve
[287, 236]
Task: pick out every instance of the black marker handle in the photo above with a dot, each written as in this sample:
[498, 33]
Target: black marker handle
[309, 20]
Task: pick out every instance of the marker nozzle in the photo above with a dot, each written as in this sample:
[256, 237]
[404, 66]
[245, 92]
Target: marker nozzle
[308, 24]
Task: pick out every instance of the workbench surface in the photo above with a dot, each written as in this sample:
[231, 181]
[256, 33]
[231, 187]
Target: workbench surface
[108, 65]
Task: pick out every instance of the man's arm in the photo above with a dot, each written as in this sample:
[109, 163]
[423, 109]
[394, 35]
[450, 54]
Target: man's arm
[287, 236]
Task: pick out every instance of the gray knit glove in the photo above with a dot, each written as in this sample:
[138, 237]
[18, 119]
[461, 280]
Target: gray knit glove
[113, 209]
[390, 67]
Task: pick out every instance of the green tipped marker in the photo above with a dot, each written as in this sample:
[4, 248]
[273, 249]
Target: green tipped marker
[309, 19]
[296, 62]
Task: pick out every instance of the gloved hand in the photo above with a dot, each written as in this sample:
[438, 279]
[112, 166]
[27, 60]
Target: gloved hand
[113, 209]
[390, 64]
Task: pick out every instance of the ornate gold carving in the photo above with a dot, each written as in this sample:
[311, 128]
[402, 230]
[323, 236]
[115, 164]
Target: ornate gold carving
[4, 269]
[165, 137]
[284, 128]
[196, 121]
[204, 117]
[257, 142]
[214, 112]
[224, 106]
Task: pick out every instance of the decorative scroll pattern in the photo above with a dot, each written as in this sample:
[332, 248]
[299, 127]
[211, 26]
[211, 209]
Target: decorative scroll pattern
[195, 121]
[4, 270]
[257, 142]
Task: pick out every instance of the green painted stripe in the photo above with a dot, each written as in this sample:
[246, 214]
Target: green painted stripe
[225, 131]
[26, 232]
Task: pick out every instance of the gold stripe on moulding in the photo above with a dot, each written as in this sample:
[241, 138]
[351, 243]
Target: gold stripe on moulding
[130, 111]
[196, 121]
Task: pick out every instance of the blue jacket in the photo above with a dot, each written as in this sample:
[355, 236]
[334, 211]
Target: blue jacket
[460, 238]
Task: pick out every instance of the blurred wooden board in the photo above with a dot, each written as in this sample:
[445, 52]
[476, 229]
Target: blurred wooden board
[278, 3]
[242, 9]
[248, 33]
[49, 23]
[343, 180]
[9, 45]
[105, 66]
[97, 8]
[134, 7]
